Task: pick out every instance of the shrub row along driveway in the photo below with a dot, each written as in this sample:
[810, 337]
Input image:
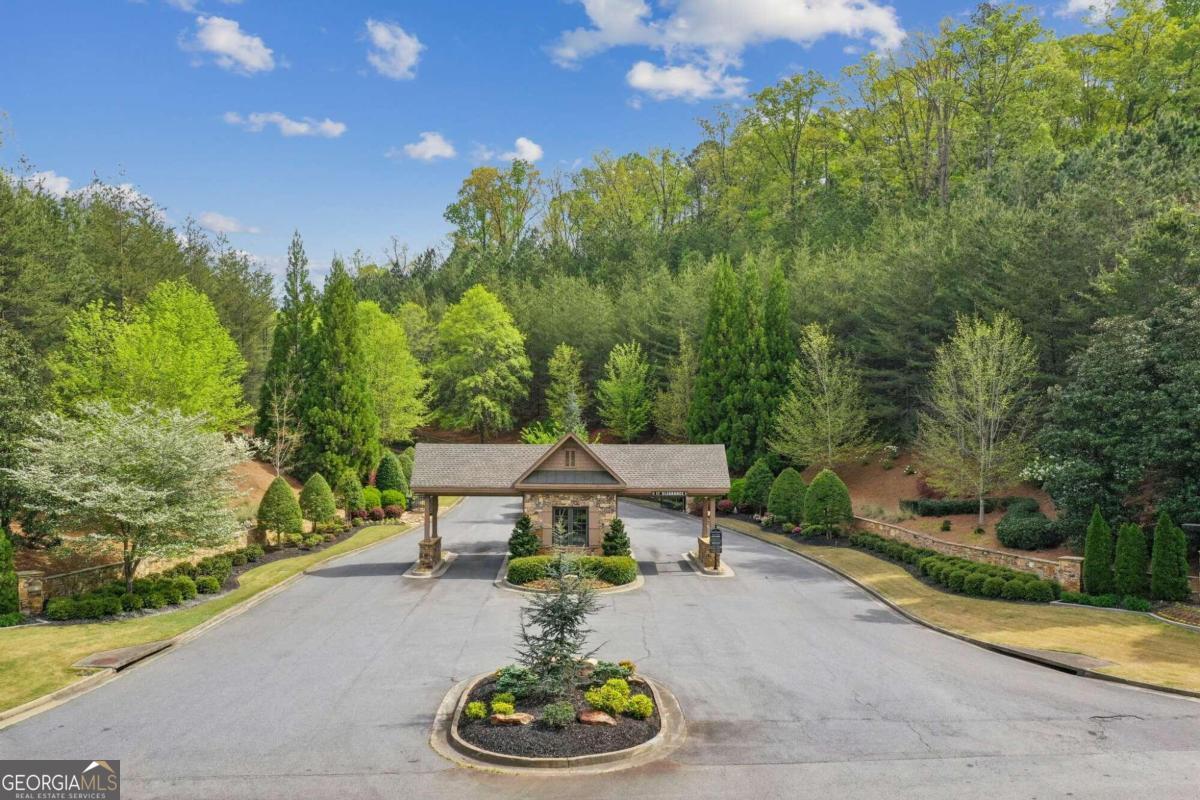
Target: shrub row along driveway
[794, 683]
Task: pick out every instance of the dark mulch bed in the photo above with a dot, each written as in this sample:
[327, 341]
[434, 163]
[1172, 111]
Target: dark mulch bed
[537, 740]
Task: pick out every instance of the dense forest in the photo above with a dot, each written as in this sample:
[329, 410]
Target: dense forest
[988, 170]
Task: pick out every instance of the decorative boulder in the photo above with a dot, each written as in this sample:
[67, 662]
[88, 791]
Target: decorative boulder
[520, 718]
[594, 717]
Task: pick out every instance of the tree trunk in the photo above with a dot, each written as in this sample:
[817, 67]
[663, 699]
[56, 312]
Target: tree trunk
[980, 510]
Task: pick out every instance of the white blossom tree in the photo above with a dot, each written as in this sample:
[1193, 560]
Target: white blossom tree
[155, 482]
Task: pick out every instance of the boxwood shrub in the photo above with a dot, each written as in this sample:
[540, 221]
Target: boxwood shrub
[617, 570]
[961, 574]
[944, 507]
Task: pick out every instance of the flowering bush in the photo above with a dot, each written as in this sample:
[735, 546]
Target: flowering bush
[725, 506]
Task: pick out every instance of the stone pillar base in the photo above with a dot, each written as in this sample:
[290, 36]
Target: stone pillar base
[30, 592]
[430, 555]
[705, 555]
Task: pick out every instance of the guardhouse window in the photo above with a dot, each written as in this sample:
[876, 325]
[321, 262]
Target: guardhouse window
[570, 456]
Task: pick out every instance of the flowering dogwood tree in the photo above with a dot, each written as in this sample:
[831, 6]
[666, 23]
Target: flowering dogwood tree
[155, 482]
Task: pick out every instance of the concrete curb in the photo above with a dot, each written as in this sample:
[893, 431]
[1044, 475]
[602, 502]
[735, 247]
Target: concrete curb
[993, 647]
[437, 572]
[447, 743]
[501, 582]
[725, 570]
[86, 684]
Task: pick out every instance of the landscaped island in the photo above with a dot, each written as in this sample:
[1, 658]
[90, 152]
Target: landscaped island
[557, 702]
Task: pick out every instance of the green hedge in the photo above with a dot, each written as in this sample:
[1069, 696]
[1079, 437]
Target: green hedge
[617, 570]
[961, 574]
[944, 507]
[178, 584]
[1025, 528]
[1128, 602]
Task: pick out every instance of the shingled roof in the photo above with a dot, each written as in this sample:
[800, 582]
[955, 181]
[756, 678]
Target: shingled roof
[637, 468]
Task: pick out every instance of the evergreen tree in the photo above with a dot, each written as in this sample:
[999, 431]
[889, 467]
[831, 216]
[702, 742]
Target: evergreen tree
[390, 474]
[20, 399]
[316, 500]
[336, 406]
[279, 511]
[479, 367]
[279, 396]
[10, 601]
[729, 403]
[1130, 562]
[523, 541]
[349, 492]
[406, 463]
[623, 394]
[1098, 556]
[827, 507]
[565, 369]
[786, 500]
[758, 485]
[780, 344]
[616, 540]
[1168, 562]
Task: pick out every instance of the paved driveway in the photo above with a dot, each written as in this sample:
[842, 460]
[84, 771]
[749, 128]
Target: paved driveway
[794, 684]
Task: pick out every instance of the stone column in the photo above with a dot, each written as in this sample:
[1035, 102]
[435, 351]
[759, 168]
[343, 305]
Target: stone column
[1070, 573]
[430, 552]
[31, 594]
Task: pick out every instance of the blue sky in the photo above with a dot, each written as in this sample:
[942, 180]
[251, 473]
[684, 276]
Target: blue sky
[190, 100]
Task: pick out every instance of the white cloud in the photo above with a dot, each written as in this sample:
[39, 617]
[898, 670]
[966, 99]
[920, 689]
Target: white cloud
[430, 147]
[232, 48]
[703, 40]
[220, 223]
[687, 82]
[48, 182]
[523, 149]
[256, 122]
[394, 52]
[1093, 10]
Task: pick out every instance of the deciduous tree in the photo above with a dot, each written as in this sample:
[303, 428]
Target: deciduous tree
[623, 394]
[973, 436]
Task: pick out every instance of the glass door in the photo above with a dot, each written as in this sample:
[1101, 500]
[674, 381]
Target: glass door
[571, 526]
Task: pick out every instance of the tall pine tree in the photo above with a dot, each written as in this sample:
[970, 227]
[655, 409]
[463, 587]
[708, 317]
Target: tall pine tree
[279, 397]
[729, 402]
[777, 333]
[341, 428]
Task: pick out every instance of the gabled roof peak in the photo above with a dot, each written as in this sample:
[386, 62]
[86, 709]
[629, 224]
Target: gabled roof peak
[569, 438]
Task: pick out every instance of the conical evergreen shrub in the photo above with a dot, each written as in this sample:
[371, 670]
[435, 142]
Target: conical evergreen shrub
[350, 492]
[279, 510]
[390, 474]
[523, 541]
[616, 540]
[757, 487]
[10, 599]
[1098, 556]
[786, 500]
[1130, 561]
[827, 506]
[1168, 562]
[316, 500]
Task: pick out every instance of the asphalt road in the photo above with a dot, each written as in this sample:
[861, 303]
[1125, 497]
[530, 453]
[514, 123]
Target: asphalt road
[794, 684]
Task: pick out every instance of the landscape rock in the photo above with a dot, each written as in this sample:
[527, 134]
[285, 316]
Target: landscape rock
[594, 717]
[519, 718]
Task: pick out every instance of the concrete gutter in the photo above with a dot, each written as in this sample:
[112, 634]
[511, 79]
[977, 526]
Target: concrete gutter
[97, 679]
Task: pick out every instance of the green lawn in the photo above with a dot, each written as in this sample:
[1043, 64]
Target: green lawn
[37, 660]
[1140, 647]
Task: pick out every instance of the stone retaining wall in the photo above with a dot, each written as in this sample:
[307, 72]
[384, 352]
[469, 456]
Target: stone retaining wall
[1067, 570]
[35, 587]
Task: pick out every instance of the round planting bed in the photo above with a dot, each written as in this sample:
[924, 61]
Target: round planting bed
[502, 582]
[577, 748]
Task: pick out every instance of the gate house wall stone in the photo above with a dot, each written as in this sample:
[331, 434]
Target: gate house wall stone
[539, 507]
